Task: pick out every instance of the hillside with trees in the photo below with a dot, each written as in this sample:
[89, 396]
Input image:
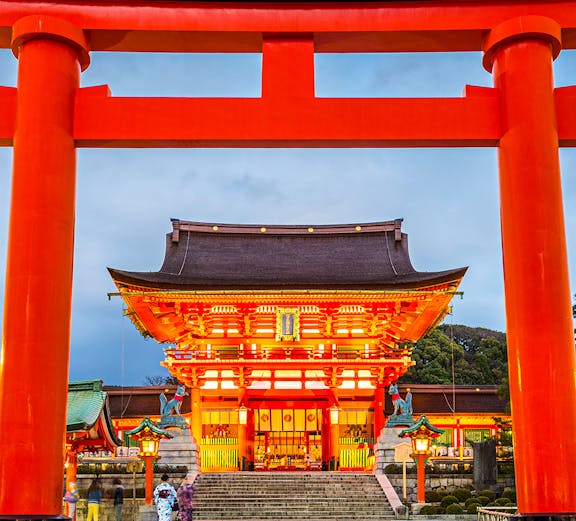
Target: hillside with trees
[467, 355]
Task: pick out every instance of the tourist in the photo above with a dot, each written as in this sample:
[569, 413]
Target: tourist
[164, 497]
[185, 492]
[94, 497]
[71, 497]
[118, 498]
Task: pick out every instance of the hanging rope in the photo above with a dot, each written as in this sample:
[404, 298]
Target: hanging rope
[453, 368]
[185, 254]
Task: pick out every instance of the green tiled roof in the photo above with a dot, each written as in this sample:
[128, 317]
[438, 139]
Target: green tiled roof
[85, 403]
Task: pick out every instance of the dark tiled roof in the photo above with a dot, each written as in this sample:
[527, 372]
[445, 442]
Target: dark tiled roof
[440, 399]
[355, 256]
[131, 402]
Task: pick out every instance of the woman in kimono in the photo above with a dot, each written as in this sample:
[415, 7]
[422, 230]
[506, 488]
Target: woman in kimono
[185, 494]
[164, 498]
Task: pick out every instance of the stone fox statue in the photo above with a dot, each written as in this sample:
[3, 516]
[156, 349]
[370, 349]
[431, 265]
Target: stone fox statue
[167, 407]
[405, 406]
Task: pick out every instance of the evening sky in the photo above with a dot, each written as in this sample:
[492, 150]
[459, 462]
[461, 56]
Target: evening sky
[448, 198]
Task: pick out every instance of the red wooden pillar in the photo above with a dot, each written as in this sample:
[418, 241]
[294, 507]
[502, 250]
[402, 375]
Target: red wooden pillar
[421, 477]
[36, 335]
[379, 397]
[538, 302]
[149, 490]
[196, 414]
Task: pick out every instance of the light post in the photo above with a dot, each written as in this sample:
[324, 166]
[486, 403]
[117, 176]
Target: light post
[421, 434]
[148, 435]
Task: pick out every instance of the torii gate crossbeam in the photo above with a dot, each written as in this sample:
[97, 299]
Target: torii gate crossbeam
[48, 116]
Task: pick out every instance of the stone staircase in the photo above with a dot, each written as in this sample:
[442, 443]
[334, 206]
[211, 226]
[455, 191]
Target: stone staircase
[289, 495]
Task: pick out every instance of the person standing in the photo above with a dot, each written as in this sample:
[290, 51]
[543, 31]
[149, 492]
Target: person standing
[94, 497]
[118, 498]
[164, 498]
[185, 492]
[71, 497]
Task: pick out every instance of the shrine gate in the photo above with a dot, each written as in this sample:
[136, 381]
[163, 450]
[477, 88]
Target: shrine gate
[48, 115]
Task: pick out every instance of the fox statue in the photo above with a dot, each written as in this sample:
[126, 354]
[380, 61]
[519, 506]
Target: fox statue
[400, 405]
[170, 409]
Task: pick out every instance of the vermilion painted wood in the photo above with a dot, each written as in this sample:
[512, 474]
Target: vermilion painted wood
[421, 478]
[149, 489]
[339, 27]
[539, 323]
[37, 306]
[47, 126]
[303, 122]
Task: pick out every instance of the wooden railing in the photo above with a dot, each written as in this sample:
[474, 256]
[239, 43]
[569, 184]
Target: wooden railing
[219, 454]
[496, 513]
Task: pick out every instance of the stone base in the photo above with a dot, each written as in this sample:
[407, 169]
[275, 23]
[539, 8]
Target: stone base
[384, 449]
[416, 507]
[400, 420]
[180, 450]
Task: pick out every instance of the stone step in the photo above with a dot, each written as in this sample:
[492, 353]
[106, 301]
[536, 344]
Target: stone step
[265, 496]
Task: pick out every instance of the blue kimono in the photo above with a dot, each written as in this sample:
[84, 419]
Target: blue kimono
[164, 497]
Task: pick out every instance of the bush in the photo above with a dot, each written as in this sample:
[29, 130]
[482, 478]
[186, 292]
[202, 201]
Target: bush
[448, 500]
[490, 494]
[442, 493]
[471, 500]
[462, 494]
[472, 508]
[440, 510]
[509, 493]
[428, 510]
[503, 502]
[454, 508]
[432, 496]
[483, 500]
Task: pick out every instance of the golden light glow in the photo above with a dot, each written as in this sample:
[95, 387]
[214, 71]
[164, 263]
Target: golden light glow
[358, 228]
[149, 447]
[287, 384]
[334, 415]
[310, 229]
[243, 415]
[421, 444]
[215, 228]
[263, 229]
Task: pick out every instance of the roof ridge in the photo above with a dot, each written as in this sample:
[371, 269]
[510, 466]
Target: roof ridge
[179, 225]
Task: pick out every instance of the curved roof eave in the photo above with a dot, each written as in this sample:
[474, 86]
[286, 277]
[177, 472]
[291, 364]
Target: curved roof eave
[164, 281]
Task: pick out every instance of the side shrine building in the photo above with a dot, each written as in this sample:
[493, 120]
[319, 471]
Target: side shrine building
[286, 337]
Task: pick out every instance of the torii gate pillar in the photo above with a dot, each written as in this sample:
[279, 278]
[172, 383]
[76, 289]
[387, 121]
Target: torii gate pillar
[37, 307]
[539, 326]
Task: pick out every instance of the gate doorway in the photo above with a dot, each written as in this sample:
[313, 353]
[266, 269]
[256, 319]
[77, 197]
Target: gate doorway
[288, 451]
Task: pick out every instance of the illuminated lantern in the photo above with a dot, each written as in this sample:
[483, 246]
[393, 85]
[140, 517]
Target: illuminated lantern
[334, 415]
[148, 435]
[243, 415]
[421, 435]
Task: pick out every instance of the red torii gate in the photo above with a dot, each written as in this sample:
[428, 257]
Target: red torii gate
[48, 116]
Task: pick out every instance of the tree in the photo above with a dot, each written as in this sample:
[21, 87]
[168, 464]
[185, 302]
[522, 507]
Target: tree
[461, 355]
[160, 380]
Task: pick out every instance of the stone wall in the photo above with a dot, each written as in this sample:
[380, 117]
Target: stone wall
[446, 482]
